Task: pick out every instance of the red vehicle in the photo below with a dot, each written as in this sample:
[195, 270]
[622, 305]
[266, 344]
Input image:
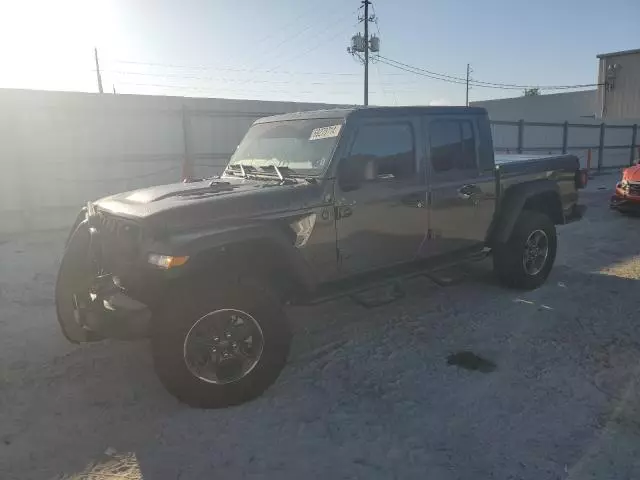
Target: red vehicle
[627, 195]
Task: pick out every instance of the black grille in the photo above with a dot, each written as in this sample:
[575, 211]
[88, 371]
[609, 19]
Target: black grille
[119, 239]
[634, 189]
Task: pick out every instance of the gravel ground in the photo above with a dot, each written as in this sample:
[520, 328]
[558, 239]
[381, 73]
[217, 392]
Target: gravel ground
[368, 393]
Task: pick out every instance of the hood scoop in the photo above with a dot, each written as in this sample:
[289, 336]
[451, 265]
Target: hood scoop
[199, 189]
[213, 188]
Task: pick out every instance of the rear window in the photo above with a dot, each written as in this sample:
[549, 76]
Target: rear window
[453, 145]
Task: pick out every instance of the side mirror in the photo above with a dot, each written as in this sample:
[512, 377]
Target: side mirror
[349, 175]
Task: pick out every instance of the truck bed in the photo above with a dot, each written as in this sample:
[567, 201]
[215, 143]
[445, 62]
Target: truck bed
[535, 163]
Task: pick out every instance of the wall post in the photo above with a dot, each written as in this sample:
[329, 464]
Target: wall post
[520, 135]
[565, 137]
[603, 128]
[634, 138]
[187, 166]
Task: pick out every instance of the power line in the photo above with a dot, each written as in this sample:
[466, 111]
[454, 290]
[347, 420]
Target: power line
[435, 74]
[375, 19]
[216, 90]
[275, 32]
[226, 69]
[342, 28]
[478, 83]
[227, 79]
[213, 89]
[381, 60]
[306, 51]
[380, 80]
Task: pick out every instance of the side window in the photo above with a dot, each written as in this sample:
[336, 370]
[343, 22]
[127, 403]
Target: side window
[384, 152]
[453, 145]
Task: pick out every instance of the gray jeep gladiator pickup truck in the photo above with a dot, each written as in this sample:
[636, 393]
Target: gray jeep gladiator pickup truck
[311, 206]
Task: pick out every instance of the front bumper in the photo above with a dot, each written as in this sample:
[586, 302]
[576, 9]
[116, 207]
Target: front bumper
[625, 203]
[110, 313]
[98, 298]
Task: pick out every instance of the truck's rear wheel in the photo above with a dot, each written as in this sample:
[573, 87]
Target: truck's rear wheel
[216, 347]
[525, 261]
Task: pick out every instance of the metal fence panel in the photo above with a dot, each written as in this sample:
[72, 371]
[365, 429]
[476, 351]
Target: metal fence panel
[610, 145]
[505, 136]
[543, 136]
[618, 136]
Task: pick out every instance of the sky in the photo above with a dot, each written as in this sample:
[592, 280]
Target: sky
[297, 50]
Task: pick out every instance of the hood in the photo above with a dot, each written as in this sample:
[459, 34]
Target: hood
[199, 203]
[631, 174]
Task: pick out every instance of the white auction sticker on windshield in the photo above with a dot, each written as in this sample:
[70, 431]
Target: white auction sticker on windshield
[325, 132]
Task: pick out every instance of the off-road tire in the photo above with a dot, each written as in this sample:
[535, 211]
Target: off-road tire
[507, 257]
[190, 302]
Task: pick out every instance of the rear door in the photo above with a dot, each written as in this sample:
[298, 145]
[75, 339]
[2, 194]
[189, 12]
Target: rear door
[383, 221]
[462, 194]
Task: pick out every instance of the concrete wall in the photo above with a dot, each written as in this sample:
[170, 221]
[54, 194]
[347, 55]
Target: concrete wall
[59, 149]
[621, 96]
[543, 108]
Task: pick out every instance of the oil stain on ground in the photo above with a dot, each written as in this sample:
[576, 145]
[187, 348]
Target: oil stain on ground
[471, 361]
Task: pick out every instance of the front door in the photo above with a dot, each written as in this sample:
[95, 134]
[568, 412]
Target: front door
[462, 196]
[381, 218]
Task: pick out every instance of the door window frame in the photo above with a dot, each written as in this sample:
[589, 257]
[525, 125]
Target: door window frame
[418, 175]
[454, 174]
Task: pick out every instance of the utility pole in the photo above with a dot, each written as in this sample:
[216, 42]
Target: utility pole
[95, 54]
[365, 45]
[366, 4]
[468, 74]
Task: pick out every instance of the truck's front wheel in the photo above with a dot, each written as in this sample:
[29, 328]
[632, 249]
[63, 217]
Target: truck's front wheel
[525, 261]
[216, 347]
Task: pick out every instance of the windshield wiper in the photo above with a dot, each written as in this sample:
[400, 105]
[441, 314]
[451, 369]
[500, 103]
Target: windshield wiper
[275, 169]
[286, 172]
[243, 169]
[282, 172]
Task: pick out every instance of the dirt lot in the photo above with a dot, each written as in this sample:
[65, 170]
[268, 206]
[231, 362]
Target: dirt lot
[368, 393]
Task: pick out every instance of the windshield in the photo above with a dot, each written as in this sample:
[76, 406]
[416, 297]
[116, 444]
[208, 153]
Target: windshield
[303, 146]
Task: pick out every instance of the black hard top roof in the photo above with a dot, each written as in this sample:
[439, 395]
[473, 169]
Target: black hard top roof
[343, 113]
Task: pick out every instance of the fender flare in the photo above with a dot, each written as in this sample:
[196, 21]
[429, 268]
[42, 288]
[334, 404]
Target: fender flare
[203, 248]
[512, 203]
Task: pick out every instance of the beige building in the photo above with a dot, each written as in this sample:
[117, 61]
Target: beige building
[619, 85]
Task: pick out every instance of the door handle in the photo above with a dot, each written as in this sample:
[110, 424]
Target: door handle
[467, 191]
[343, 211]
[418, 200]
